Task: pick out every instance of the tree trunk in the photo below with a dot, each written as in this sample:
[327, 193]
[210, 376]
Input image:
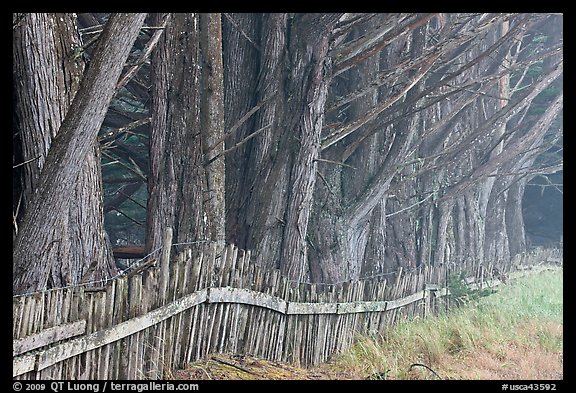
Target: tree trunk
[176, 177]
[186, 183]
[42, 237]
[212, 126]
[282, 167]
[515, 219]
[241, 45]
[263, 196]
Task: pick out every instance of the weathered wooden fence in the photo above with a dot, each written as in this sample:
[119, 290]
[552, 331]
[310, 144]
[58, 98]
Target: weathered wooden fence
[212, 299]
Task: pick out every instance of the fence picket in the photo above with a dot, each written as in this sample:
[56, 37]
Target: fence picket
[212, 299]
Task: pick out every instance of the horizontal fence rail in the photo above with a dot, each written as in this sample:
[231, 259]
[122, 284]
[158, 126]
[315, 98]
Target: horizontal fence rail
[211, 299]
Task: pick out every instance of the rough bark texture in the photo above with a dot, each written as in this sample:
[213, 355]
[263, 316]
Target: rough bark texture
[186, 187]
[308, 88]
[410, 145]
[212, 127]
[46, 78]
[241, 47]
[282, 172]
[177, 177]
[263, 199]
[36, 251]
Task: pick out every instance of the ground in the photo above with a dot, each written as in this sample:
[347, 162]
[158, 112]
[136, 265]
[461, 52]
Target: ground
[511, 362]
[531, 349]
[227, 366]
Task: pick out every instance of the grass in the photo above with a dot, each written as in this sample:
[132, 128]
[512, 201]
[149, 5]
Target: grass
[514, 333]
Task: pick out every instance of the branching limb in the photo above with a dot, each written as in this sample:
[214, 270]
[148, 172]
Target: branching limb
[236, 146]
[150, 45]
[239, 123]
[411, 206]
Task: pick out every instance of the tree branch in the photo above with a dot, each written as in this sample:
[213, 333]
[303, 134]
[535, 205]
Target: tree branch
[510, 152]
[236, 146]
[352, 126]
[242, 120]
[334, 162]
[411, 206]
[351, 55]
[150, 45]
[233, 23]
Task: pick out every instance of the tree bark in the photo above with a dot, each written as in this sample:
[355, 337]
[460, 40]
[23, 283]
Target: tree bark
[177, 178]
[241, 50]
[186, 183]
[41, 233]
[212, 127]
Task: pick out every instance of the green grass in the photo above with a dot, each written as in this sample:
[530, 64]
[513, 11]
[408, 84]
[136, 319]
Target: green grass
[519, 314]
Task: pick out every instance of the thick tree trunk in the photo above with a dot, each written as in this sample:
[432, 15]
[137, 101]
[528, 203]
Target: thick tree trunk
[515, 219]
[496, 237]
[186, 183]
[265, 182]
[309, 77]
[241, 45]
[212, 126]
[177, 180]
[282, 166]
[36, 250]
[46, 78]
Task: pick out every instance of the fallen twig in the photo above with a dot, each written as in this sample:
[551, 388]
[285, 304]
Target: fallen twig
[426, 367]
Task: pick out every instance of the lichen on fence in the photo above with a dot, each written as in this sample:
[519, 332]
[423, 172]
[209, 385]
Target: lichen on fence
[212, 299]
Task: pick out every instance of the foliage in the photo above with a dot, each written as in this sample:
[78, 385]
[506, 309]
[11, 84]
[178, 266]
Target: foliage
[461, 293]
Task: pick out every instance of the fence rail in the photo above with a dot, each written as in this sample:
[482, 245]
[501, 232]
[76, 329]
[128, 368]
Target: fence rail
[212, 299]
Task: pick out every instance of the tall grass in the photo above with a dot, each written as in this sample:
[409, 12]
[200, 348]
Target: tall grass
[490, 323]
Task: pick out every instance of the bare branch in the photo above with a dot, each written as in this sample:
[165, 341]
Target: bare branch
[411, 206]
[150, 45]
[349, 56]
[137, 172]
[110, 135]
[236, 146]
[549, 184]
[128, 217]
[352, 126]
[25, 162]
[233, 23]
[123, 193]
[15, 214]
[334, 162]
[349, 21]
[325, 183]
[242, 120]
[536, 171]
[513, 150]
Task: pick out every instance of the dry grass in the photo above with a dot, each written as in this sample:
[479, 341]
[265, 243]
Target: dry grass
[515, 334]
[537, 354]
[244, 367]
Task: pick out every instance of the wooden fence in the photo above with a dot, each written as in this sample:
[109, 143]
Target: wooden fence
[211, 299]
